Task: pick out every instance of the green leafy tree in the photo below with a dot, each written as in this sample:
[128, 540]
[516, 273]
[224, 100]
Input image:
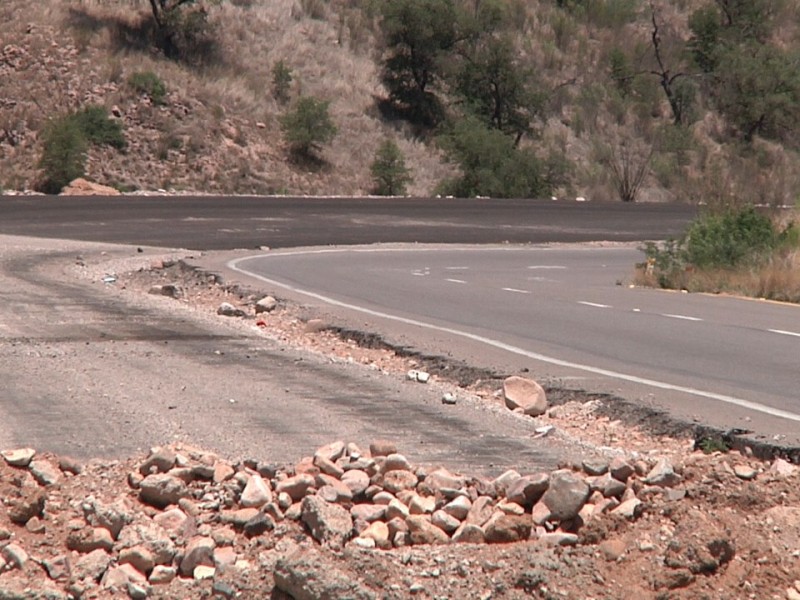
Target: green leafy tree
[491, 165]
[751, 81]
[758, 89]
[281, 82]
[418, 35]
[64, 154]
[308, 126]
[389, 172]
[706, 32]
[497, 89]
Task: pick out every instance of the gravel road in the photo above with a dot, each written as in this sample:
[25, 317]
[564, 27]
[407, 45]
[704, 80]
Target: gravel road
[94, 370]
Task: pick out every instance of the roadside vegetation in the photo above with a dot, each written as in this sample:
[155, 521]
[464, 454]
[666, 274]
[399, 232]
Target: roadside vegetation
[738, 251]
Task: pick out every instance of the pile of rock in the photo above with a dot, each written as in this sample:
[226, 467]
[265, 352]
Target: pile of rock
[186, 515]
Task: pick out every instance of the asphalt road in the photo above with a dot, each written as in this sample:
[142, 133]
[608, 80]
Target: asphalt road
[566, 314]
[215, 223]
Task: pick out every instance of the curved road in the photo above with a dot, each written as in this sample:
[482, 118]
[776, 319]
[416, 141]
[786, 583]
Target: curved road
[572, 324]
[562, 313]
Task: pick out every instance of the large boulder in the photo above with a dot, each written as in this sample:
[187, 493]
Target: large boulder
[566, 495]
[330, 524]
[525, 394]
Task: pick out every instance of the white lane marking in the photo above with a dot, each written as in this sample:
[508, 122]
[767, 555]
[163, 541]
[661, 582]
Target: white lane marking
[594, 304]
[515, 290]
[784, 332]
[456, 280]
[546, 267]
[682, 317]
[456, 268]
[741, 402]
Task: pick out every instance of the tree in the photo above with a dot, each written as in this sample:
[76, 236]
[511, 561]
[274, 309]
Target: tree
[308, 126]
[497, 89]
[183, 26]
[389, 172]
[490, 164]
[758, 89]
[752, 81]
[64, 154]
[680, 91]
[417, 34]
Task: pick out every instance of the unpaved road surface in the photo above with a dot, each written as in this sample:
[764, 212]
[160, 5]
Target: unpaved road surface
[93, 370]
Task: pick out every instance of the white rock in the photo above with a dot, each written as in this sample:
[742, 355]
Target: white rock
[21, 457]
[256, 493]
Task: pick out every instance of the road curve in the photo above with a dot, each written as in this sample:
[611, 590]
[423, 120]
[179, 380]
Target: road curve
[219, 223]
[561, 311]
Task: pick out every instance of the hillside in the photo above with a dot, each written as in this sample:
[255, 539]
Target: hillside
[595, 105]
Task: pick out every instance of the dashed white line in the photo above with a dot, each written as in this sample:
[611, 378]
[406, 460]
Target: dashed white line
[741, 402]
[682, 317]
[515, 290]
[594, 304]
[784, 332]
[546, 267]
[456, 280]
[456, 268]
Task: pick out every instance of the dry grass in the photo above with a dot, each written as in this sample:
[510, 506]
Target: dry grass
[219, 129]
[779, 280]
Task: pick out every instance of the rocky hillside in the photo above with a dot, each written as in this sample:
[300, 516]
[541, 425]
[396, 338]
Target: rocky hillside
[616, 93]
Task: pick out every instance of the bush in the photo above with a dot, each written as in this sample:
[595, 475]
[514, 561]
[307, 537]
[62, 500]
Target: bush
[730, 239]
[308, 126]
[389, 172]
[147, 82]
[64, 154]
[281, 82]
[97, 128]
[490, 164]
[726, 241]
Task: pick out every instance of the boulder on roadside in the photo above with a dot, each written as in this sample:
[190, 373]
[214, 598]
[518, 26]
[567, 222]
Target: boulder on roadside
[83, 187]
[566, 495]
[525, 394]
[330, 524]
[266, 304]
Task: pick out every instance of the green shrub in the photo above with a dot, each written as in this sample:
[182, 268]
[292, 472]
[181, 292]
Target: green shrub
[491, 165]
[97, 128]
[389, 172]
[730, 239]
[147, 82]
[308, 126]
[735, 239]
[64, 154]
[281, 82]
